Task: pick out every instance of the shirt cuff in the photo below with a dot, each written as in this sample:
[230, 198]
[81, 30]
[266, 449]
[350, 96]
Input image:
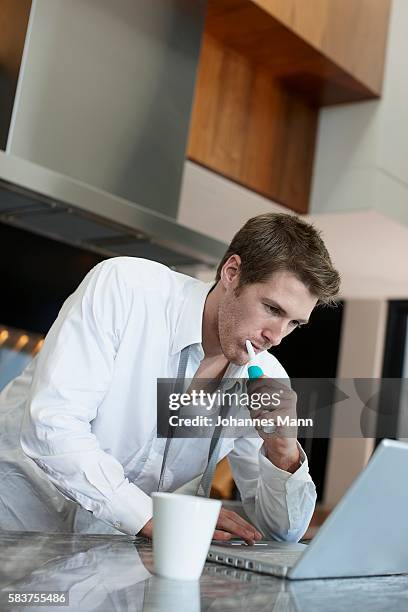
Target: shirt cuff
[279, 479]
[129, 510]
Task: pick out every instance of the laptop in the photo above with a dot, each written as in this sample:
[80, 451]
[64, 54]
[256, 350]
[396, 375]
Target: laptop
[363, 536]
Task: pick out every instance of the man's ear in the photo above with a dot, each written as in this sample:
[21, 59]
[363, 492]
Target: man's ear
[230, 272]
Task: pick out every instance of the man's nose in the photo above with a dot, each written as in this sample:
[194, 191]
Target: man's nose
[274, 333]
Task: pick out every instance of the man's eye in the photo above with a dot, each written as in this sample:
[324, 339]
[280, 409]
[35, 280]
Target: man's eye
[272, 309]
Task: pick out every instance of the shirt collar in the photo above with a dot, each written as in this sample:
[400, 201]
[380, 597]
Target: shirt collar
[189, 323]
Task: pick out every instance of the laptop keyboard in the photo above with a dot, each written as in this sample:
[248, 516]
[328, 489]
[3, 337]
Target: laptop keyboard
[276, 557]
[249, 559]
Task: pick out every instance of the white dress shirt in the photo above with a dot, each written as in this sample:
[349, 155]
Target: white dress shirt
[79, 425]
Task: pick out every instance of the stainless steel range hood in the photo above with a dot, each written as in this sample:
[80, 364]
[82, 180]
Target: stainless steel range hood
[96, 143]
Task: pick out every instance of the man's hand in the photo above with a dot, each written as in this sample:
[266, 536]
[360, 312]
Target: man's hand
[229, 523]
[281, 446]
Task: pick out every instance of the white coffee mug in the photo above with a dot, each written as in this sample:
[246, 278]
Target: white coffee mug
[183, 527]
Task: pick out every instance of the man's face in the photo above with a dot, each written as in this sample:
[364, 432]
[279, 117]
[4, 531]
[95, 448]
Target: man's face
[263, 313]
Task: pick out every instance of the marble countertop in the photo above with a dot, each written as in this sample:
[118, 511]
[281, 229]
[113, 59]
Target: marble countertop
[114, 573]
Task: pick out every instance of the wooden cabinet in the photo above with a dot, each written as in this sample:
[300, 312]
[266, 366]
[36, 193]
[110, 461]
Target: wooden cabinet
[266, 68]
[13, 26]
[350, 33]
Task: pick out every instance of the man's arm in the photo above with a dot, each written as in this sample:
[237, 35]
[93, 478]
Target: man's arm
[272, 472]
[73, 374]
[278, 502]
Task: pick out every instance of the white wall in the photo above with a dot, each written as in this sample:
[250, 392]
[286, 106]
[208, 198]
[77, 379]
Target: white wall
[362, 149]
[361, 356]
[216, 206]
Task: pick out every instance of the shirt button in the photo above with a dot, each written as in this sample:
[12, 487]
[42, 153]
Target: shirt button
[117, 524]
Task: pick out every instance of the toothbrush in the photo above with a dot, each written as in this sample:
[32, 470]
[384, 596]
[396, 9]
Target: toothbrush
[254, 370]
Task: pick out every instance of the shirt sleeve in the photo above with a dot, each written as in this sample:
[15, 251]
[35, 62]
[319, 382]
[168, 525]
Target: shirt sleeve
[72, 376]
[279, 503]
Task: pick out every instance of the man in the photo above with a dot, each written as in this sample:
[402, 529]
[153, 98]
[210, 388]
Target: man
[79, 450]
